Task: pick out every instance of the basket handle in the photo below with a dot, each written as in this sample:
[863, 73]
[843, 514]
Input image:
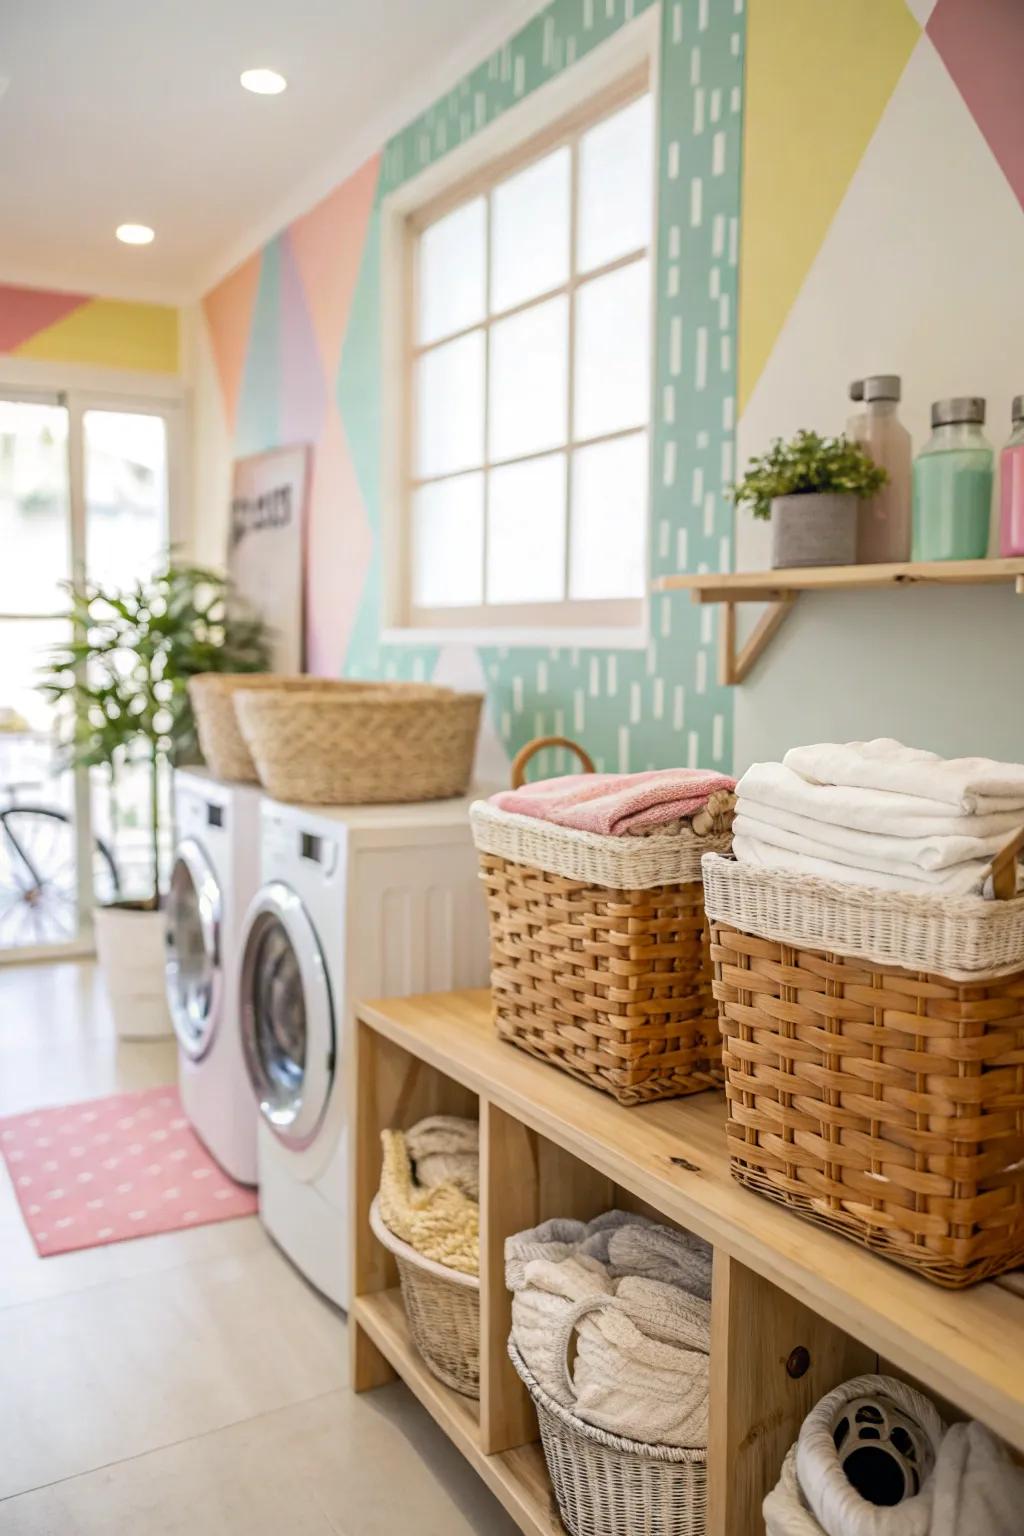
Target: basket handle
[1004, 868]
[566, 1329]
[539, 744]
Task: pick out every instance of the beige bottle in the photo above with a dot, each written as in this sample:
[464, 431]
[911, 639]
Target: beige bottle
[883, 520]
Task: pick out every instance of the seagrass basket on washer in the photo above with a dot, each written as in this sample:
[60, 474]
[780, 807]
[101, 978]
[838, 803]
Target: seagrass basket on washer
[873, 1045]
[442, 1308]
[599, 956]
[362, 744]
[213, 704]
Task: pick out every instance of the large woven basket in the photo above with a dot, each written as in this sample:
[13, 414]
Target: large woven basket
[364, 745]
[442, 1307]
[607, 1486]
[599, 956]
[882, 1099]
[213, 705]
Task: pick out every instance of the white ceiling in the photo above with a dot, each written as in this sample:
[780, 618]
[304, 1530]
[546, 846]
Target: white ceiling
[130, 111]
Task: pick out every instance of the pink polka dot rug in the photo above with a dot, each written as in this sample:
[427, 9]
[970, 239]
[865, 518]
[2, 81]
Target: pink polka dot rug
[109, 1169]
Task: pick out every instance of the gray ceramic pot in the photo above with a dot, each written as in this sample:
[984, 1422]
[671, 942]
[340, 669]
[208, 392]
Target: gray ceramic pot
[815, 529]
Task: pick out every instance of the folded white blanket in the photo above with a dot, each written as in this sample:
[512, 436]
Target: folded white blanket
[445, 1149]
[641, 1367]
[871, 853]
[779, 787]
[963, 880]
[976, 1488]
[968, 784]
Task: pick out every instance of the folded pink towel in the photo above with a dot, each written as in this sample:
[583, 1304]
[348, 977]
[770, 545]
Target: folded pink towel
[614, 804]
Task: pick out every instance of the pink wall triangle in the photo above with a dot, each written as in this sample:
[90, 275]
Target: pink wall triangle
[303, 389]
[24, 312]
[983, 49]
[328, 246]
[228, 309]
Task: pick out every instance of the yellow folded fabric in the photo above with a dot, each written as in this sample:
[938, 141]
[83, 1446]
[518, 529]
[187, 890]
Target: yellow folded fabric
[441, 1223]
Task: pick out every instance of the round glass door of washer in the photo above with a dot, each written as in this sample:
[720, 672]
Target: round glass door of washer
[193, 962]
[287, 1018]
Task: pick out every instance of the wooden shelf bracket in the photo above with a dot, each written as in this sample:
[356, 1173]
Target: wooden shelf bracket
[736, 661]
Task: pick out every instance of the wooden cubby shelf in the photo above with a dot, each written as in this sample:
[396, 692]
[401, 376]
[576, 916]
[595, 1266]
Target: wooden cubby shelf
[552, 1146]
[780, 589]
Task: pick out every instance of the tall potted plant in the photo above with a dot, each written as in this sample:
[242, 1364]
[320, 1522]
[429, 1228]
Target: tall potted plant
[810, 488]
[121, 688]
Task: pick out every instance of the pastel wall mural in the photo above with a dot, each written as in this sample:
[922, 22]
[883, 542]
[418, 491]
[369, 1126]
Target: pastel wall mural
[80, 328]
[295, 337]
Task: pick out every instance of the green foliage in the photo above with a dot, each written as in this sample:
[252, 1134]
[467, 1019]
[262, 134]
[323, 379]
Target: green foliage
[807, 464]
[121, 683]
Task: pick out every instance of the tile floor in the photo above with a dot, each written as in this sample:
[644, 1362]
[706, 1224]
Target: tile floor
[190, 1382]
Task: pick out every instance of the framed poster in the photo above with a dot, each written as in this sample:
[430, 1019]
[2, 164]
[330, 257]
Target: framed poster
[266, 545]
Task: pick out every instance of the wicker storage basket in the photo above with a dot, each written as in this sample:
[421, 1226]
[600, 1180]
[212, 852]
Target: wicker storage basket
[442, 1306]
[607, 1486]
[867, 1089]
[599, 955]
[213, 704]
[362, 745]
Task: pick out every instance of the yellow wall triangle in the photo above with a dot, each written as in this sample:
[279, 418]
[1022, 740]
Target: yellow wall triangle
[111, 333]
[819, 75]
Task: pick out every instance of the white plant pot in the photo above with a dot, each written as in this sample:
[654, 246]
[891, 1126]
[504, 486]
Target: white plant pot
[819, 528]
[130, 947]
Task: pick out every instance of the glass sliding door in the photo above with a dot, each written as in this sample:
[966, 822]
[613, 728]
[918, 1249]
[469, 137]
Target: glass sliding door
[85, 490]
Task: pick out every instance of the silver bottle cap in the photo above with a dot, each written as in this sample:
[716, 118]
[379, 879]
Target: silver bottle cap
[882, 386]
[946, 413]
[1017, 409]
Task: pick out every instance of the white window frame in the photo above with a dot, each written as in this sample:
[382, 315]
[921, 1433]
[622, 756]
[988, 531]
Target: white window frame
[614, 73]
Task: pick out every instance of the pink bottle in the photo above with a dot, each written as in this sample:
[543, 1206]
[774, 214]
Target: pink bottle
[883, 520]
[1011, 486]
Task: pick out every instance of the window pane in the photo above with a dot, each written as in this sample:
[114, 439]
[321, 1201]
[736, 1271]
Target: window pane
[530, 231]
[33, 507]
[451, 272]
[609, 518]
[526, 532]
[613, 383]
[529, 371]
[448, 543]
[450, 407]
[616, 208]
[125, 496]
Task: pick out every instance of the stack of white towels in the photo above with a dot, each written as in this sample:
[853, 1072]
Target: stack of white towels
[635, 1299]
[877, 813]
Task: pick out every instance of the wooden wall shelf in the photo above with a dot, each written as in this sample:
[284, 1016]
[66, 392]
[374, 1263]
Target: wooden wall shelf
[552, 1146]
[780, 589]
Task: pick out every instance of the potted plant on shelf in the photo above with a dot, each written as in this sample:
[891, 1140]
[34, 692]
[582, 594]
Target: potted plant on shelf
[121, 690]
[810, 488]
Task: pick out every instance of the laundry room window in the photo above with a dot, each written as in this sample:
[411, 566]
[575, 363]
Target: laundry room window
[522, 475]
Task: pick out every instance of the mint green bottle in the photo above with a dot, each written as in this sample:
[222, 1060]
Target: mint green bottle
[953, 479]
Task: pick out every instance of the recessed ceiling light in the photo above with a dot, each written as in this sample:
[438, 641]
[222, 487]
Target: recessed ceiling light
[134, 234]
[263, 82]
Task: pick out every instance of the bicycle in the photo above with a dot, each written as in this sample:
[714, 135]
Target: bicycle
[38, 878]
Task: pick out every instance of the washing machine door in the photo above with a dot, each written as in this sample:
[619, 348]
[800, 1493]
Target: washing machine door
[193, 959]
[287, 1015]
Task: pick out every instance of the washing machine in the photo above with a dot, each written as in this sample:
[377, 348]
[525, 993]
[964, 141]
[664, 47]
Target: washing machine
[356, 902]
[215, 875]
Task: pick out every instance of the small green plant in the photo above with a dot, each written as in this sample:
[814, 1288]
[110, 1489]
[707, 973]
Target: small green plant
[805, 465]
[120, 684]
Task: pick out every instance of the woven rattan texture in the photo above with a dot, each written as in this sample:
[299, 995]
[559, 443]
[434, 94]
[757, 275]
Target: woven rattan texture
[886, 1104]
[212, 695]
[612, 986]
[444, 1321]
[389, 743]
[607, 1486]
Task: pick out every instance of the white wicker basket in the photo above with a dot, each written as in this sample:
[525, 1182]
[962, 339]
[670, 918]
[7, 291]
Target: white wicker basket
[607, 1486]
[442, 1307]
[964, 938]
[620, 863]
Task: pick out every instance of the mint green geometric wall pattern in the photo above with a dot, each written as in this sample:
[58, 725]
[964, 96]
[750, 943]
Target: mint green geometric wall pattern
[259, 402]
[661, 704]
